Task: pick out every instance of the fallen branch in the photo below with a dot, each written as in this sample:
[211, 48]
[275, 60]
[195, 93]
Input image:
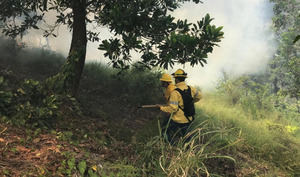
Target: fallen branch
[3, 130]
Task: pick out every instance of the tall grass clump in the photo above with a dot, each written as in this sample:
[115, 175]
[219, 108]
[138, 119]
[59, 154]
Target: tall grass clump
[199, 153]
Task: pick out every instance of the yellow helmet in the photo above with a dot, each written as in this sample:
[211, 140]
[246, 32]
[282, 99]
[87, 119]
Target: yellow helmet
[166, 78]
[179, 73]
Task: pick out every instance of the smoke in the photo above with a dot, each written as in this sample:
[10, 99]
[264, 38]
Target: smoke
[248, 42]
[246, 48]
[60, 44]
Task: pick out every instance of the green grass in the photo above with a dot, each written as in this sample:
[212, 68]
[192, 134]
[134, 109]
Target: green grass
[263, 139]
[199, 153]
[226, 139]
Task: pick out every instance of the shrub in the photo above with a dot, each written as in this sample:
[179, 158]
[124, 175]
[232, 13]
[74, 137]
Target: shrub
[32, 105]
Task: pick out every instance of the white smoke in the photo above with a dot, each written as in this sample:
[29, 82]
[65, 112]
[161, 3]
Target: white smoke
[248, 41]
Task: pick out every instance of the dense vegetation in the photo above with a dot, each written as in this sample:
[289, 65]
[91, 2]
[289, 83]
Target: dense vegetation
[284, 68]
[239, 130]
[249, 126]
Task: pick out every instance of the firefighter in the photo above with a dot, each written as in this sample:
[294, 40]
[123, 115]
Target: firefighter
[180, 106]
[166, 82]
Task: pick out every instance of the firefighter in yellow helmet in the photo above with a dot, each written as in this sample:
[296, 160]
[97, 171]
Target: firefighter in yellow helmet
[181, 106]
[166, 82]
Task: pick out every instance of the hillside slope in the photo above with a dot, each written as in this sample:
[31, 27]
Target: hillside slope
[99, 133]
[102, 132]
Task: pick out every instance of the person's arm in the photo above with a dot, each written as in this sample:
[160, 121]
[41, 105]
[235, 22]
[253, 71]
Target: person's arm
[172, 105]
[196, 94]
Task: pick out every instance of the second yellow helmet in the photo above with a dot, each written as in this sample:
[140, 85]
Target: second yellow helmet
[166, 77]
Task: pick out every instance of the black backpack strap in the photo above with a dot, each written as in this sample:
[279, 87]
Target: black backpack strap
[186, 116]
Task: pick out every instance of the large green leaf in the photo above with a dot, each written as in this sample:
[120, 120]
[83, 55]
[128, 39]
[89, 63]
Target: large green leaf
[296, 39]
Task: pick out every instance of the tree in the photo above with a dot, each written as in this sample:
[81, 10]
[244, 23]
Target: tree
[141, 25]
[285, 65]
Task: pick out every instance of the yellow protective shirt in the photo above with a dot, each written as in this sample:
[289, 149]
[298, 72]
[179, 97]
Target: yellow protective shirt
[176, 99]
[168, 91]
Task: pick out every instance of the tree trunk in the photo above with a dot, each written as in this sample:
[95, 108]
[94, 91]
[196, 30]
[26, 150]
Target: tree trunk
[72, 70]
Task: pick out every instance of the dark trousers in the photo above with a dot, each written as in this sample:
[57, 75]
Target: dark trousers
[172, 131]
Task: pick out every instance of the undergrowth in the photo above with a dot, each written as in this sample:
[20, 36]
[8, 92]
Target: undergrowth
[263, 139]
[103, 133]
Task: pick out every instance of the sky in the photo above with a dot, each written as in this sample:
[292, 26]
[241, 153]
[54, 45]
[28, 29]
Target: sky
[247, 45]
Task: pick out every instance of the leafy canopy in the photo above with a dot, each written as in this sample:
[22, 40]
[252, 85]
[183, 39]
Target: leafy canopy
[145, 26]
